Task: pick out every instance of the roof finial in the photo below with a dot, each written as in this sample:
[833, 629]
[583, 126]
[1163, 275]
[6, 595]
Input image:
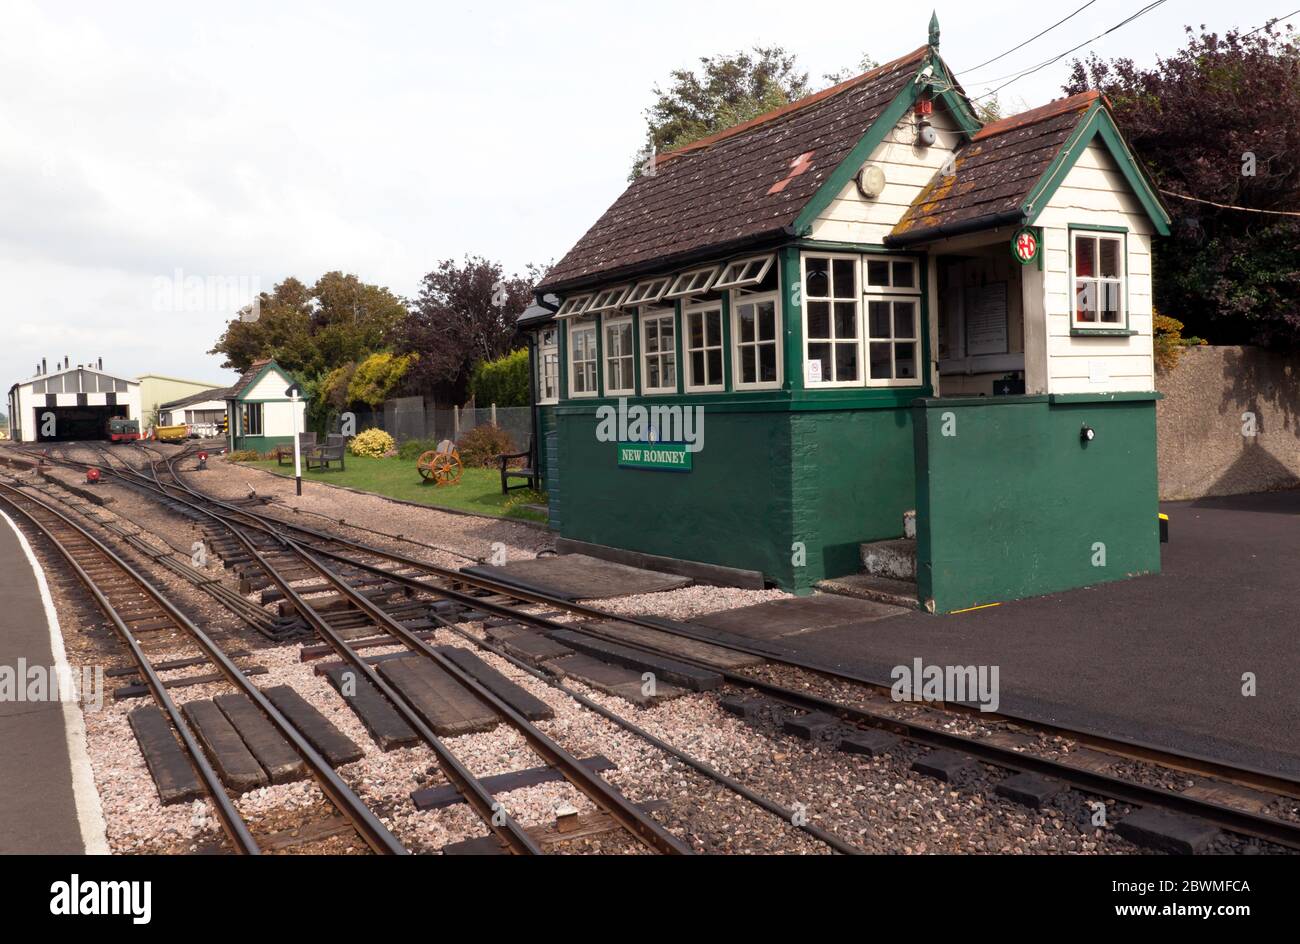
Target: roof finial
[934, 29]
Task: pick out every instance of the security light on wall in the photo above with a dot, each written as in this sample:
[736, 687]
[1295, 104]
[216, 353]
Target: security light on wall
[871, 181]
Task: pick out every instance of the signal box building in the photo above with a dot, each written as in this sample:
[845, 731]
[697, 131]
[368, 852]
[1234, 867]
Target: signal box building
[892, 316]
[260, 413]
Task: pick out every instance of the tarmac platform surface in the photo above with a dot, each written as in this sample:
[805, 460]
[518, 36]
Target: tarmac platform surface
[1157, 660]
[39, 779]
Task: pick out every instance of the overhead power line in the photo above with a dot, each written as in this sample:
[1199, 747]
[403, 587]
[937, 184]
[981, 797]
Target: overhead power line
[1276, 19]
[1043, 65]
[1229, 206]
[1029, 40]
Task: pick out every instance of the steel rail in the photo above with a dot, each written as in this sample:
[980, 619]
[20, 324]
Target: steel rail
[566, 762]
[231, 821]
[633, 819]
[360, 816]
[1239, 821]
[1226, 817]
[505, 827]
[776, 809]
[1263, 779]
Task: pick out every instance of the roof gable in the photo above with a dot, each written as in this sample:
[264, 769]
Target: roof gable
[1009, 170]
[741, 186]
[253, 376]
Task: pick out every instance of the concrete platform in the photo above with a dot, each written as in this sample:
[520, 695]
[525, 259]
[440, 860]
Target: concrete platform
[48, 802]
[796, 615]
[579, 577]
[1156, 660]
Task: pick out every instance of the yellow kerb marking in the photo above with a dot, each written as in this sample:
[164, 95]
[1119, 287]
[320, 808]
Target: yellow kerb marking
[982, 606]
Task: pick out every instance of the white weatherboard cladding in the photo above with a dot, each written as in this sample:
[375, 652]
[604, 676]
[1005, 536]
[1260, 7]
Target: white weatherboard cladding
[852, 218]
[271, 387]
[1094, 193]
[277, 412]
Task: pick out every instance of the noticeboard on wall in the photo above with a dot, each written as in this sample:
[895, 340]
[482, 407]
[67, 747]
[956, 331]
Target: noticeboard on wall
[986, 319]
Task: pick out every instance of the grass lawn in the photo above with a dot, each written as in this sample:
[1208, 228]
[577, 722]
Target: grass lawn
[478, 490]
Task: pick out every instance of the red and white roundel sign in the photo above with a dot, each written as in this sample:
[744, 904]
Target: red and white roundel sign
[1025, 245]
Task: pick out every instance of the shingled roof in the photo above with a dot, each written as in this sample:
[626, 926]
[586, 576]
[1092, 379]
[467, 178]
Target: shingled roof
[247, 378]
[212, 393]
[736, 188]
[993, 174]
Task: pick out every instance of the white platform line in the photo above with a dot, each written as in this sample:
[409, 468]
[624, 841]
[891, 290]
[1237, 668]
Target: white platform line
[90, 815]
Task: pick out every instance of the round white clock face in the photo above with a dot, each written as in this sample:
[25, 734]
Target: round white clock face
[871, 181]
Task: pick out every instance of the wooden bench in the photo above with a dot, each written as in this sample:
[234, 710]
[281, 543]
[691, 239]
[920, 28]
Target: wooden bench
[529, 473]
[284, 454]
[323, 456]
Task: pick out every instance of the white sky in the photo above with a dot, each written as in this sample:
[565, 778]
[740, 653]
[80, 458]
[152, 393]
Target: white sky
[244, 142]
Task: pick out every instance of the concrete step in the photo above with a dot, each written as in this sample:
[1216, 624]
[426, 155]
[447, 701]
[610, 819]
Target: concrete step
[895, 559]
[866, 587]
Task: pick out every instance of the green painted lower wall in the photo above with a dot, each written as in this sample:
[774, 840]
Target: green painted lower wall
[763, 481]
[262, 443]
[1011, 503]
[854, 477]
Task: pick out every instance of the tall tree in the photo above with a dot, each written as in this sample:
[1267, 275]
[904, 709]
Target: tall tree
[1219, 121]
[725, 91]
[465, 313]
[313, 330]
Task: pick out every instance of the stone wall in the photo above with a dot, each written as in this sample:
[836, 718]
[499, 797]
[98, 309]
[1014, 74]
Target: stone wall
[1202, 430]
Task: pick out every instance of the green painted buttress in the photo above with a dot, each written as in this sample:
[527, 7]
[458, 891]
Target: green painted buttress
[1012, 503]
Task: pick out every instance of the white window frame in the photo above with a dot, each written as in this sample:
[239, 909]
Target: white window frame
[1121, 282]
[648, 291]
[803, 312]
[913, 299]
[889, 294]
[738, 348]
[693, 282]
[891, 289]
[607, 356]
[749, 270]
[574, 326]
[573, 306]
[547, 350]
[649, 315]
[688, 379]
[607, 299]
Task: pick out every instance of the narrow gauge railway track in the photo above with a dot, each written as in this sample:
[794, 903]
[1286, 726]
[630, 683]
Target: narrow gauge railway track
[261, 535]
[503, 600]
[285, 561]
[127, 598]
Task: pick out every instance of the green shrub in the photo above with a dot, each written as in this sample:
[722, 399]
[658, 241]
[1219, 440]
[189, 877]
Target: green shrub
[373, 442]
[243, 455]
[503, 381]
[412, 449]
[482, 444]
[1168, 342]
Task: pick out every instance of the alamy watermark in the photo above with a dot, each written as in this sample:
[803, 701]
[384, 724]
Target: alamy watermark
[39, 683]
[658, 423]
[180, 292]
[967, 684]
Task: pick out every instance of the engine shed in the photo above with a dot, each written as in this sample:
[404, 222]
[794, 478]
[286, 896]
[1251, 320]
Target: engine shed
[70, 402]
[865, 334]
